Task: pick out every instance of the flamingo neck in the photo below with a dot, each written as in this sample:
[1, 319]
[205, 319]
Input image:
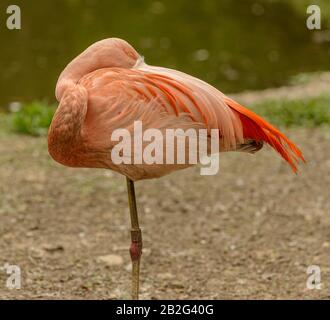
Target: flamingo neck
[65, 142]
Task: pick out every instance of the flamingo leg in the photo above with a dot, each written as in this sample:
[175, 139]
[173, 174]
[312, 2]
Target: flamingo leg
[136, 240]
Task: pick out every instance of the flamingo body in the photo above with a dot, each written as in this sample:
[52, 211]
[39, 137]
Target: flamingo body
[109, 86]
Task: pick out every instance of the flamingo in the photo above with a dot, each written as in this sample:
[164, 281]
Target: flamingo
[109, 86]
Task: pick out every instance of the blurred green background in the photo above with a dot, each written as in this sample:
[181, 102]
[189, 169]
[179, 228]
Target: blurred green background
[235, 45]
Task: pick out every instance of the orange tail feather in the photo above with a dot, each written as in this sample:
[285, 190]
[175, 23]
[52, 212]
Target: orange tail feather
[255, 127]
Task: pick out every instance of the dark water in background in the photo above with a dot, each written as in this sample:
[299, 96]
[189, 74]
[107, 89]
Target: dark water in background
[232, 44]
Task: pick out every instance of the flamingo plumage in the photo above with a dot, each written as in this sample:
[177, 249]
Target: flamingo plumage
[109, 86]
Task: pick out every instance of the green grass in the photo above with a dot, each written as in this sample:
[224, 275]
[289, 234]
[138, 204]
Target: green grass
[32, 119]
[311, 112]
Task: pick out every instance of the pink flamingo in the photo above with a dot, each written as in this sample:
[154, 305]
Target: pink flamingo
[109, 86]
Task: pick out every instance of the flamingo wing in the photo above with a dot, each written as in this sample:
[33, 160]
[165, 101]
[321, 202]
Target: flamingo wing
[206, 104]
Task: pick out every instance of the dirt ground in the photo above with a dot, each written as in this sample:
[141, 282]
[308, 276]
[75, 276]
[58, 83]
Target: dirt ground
[249, 232]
